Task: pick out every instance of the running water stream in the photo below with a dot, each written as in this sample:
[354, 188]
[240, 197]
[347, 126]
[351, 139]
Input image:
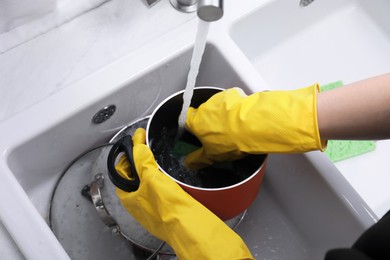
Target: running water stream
[197, 53]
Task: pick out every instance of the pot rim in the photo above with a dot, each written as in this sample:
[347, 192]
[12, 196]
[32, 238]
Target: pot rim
[185, 184]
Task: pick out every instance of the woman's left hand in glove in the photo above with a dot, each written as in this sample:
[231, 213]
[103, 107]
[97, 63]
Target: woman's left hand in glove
[163, 208]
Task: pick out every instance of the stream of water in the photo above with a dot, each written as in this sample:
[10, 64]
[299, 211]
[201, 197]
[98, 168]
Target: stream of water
[197, 53]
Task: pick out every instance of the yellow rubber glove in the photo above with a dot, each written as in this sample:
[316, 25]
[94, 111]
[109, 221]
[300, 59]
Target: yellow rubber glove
[230, 125]
[163, 208]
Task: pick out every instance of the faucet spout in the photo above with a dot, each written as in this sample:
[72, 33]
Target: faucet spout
[210, 10]
[207, 10]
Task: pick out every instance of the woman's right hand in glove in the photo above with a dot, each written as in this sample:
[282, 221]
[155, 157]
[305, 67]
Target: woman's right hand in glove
[230, 125]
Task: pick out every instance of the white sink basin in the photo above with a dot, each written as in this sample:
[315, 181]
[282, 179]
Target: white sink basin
[293, 46]
[305, 207]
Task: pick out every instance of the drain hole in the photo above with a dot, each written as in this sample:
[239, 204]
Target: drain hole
[104, 114]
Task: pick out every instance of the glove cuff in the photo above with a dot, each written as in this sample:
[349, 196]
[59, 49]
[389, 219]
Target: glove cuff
[287, 118]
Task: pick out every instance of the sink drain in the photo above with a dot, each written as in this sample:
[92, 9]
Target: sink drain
[104, 114]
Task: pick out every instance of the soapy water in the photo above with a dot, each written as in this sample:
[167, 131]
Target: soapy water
[216, 176]
[197, 53]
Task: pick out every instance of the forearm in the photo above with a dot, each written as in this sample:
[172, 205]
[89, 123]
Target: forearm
[360, 110]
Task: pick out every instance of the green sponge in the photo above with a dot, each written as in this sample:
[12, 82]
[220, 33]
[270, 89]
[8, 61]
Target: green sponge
[338, 150]
[331, 86]
[182, 148]
[185, 143]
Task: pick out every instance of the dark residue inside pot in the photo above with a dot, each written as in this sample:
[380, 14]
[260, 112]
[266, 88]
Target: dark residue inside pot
[216, 176]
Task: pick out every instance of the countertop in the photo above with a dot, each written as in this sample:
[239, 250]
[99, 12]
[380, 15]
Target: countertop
[46, 55]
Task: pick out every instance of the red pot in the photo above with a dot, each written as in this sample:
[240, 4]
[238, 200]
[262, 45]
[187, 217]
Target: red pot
[226, 199]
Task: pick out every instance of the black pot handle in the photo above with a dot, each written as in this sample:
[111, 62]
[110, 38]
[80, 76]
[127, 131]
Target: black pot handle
[125, 144]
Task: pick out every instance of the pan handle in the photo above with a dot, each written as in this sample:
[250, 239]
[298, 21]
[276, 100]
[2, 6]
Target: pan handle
[125, 144]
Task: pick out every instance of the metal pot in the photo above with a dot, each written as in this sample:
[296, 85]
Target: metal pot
[226, 189]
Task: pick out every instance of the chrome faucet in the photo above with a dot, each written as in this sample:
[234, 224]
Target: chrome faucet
[207, 10]
[186, 6]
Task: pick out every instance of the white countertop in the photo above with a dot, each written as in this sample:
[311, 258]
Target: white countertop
[50, 58]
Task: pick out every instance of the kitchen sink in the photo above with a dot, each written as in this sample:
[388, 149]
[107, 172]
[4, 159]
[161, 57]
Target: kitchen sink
[297, 213]
[305, 207]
